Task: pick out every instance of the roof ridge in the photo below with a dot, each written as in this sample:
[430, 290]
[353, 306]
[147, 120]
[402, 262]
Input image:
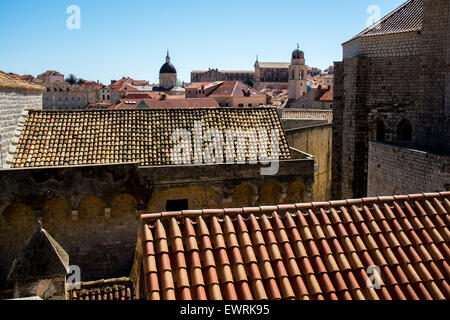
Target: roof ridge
[148, 217]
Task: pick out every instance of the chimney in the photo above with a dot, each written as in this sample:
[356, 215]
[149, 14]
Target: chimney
[40, 270]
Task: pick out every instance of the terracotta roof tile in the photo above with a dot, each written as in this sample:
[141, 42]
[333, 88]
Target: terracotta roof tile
[60, 138]
[111, 289]
[321, 251]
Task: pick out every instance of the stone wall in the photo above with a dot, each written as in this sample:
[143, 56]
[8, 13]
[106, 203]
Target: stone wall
[419, 171]
[12, 104]
[391, 79]
[317, 141]
[92, 211]
[396, 45]
[312, 114]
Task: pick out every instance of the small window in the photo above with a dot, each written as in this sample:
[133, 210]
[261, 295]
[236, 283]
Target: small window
[250, 105]
[177, 205]
[240, 105]
[404, 131]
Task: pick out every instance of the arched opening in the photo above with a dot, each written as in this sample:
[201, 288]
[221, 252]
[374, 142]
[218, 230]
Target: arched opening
[404, 131]
[381, 131]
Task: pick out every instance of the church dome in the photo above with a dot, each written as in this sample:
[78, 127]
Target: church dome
[168, 68]
[298, 54]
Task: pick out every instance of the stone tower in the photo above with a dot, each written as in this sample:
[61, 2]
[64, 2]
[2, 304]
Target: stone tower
[297, 75]
[168, 74]
[41, 268]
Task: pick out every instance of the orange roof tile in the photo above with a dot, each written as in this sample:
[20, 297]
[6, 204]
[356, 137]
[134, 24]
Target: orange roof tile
[317, 251]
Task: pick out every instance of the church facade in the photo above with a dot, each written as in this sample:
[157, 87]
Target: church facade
[266, 75]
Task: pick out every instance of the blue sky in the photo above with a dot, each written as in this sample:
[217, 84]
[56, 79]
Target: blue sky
[119, 38]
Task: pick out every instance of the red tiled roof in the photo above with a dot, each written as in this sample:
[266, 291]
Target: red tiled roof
[304, 251]
[168, 103]
[328, 96]
[111, 289]
[226, 88]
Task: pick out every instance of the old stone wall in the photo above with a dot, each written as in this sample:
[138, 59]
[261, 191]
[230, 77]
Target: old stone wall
[394, 79]
[395, 45]
[419, 171]
[317, 141]
[92, 211]
[12, 104]
[312, 114]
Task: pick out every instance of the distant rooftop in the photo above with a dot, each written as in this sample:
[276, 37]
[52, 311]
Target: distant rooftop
[10, 82]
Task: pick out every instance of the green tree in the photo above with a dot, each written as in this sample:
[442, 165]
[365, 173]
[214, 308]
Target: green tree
[71, 79]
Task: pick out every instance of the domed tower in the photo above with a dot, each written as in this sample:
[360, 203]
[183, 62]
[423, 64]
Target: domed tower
[167, 74]
[297, 75]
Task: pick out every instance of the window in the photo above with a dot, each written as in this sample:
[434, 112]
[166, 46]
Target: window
[404, 131]
[240, 105]
[177, 205]
[381, 131]
[250, 105]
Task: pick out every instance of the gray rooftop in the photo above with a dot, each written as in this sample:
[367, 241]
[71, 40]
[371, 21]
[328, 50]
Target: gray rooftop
[41, 258]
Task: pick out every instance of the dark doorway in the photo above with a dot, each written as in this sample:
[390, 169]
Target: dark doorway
[381, 131]
[177, 205]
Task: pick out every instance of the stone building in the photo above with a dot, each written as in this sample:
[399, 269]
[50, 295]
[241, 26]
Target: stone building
[391, 102]
[93, 172]
[317, 98]
[167, 75]
[267, 75]
[51, 76]
[64, 96]
[297, 75]
[271, 75]
[213, 75]
[15, 96]
[234, 94]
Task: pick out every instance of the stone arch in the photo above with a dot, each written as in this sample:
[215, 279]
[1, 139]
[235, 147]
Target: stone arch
[380, 130]
[243, 196]
[123, 205]
[404, 131]
[17, 223]
[55, 211]
[270, 193]
[91, 207]
[296, 192]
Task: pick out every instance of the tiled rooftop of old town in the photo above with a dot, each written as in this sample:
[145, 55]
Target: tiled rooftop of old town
[56, 138]
[301, 251]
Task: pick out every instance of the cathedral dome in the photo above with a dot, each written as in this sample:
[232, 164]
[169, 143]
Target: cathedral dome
[168, 68]
[298, 54]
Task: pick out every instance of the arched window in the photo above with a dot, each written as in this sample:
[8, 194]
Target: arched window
[404, 131]
[381, 131]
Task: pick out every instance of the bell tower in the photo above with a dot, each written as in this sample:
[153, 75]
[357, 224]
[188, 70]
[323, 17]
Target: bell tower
[297, 75]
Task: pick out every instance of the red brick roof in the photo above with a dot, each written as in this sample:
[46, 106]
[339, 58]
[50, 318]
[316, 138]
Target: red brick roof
[303, 251]
[168, 103]
[328, 96]
[111, 289]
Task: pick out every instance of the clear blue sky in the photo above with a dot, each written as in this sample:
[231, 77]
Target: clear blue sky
[119, 38]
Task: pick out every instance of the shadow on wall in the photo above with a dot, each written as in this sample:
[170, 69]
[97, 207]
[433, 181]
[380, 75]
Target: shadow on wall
[100, 241]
